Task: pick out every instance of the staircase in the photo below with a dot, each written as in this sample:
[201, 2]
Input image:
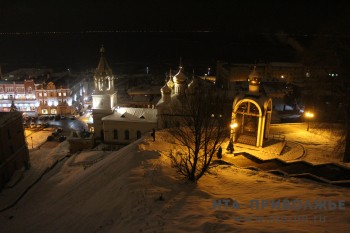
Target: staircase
[247, 139]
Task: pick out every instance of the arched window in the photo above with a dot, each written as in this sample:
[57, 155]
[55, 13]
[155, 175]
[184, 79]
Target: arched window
[138, 134]
[126, 134]
[115, 134]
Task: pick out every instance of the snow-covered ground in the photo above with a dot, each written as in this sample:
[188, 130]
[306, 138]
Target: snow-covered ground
[321, 145]
[136, 190]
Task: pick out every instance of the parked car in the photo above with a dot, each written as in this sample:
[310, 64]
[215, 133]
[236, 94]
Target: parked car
[72, 117]
[32, 125]
[63, 117]
[62, 138]
[50, 138]
[55, 134]
[59, 130]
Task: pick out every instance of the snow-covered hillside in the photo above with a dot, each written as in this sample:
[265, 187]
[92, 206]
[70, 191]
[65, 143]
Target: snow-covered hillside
[135, 190]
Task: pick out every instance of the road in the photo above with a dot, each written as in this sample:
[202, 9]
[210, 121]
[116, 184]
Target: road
[36, 137]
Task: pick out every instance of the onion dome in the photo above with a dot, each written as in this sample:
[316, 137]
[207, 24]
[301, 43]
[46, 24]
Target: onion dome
[254, 78]
[165, 90]
[180, 77]
[170, 82]
[194, 84]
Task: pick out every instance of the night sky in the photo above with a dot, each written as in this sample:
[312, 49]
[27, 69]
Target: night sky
[162, 30]
[263, 16]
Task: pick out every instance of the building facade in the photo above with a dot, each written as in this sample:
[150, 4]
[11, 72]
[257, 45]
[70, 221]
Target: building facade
[14, 151]
[22, 94]
[53, 101]
[35, 99]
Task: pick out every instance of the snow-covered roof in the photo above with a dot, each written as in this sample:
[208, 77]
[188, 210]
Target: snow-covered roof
[133, 115]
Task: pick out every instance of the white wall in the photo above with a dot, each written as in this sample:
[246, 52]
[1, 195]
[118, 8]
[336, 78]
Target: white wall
[121, 126]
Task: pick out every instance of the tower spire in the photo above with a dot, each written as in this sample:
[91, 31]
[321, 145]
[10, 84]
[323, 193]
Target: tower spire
[102, 50]
[180, 65]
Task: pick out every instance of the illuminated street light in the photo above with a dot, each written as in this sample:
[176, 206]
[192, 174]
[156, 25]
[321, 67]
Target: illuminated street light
[308, 116]
[230, 146]
[234, 125]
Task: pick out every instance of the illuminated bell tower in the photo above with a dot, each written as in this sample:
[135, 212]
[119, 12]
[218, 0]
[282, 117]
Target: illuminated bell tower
[104, 97]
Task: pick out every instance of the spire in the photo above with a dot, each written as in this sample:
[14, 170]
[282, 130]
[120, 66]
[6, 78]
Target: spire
[102, 50]
[13, 107]
[103, 67]
[180, 64]
[170, 82]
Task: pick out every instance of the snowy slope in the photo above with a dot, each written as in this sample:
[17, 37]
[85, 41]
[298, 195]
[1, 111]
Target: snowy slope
[121, 193]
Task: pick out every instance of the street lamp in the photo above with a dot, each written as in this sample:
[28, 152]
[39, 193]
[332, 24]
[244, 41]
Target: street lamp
[308, 116]
[233, 127]
[230, 146]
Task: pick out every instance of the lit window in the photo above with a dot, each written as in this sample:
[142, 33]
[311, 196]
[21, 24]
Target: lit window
[59, 93]
[40, 94]
[64, 93]
[45, 94]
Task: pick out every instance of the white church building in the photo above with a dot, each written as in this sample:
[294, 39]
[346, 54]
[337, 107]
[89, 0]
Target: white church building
[109, 122]
[122, 125]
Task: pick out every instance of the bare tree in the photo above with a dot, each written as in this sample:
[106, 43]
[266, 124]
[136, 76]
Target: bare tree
[199, 124]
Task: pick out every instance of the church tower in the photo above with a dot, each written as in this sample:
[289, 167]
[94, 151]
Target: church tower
[104, 97]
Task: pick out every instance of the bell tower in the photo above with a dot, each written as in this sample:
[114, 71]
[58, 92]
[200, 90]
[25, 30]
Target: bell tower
[104, 97]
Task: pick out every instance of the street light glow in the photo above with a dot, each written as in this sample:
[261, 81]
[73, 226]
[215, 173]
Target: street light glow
[309, 115]
[233, 125]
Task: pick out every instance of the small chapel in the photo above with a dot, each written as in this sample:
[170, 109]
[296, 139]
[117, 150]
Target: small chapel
[251, 114]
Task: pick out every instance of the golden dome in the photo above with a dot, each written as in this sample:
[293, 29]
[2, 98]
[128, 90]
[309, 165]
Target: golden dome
[165, 89]
[180, 77]
[254, 77]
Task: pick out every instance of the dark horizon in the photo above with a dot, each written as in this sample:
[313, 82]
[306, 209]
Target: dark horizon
[69, 35]
[81, 50]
